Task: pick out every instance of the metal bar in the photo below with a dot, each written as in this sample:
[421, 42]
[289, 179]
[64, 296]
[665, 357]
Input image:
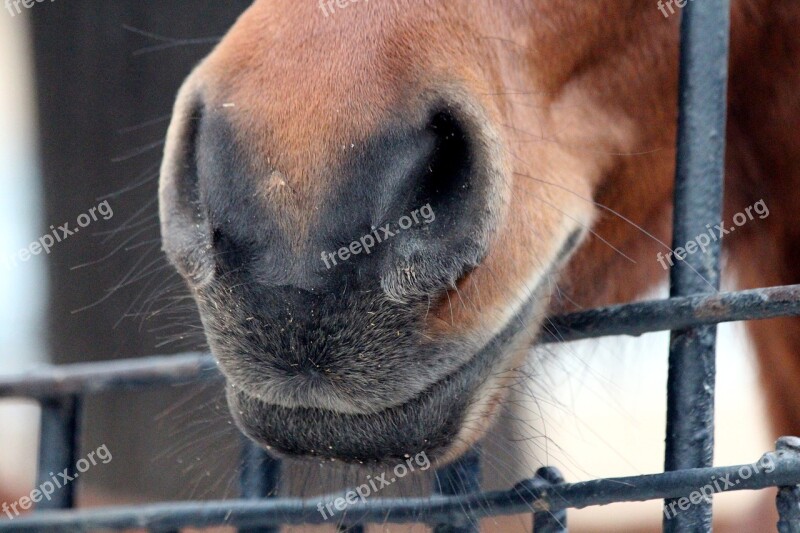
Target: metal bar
[351, 529]
[128, 374]
[705, 36]
[58, 451]
[462, 477]
[629, 319]
[546, 520]
[774, 469]
[788, 499]
[259, 478]
[675, 313]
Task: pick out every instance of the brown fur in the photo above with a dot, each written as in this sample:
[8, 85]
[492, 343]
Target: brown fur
[582, 98]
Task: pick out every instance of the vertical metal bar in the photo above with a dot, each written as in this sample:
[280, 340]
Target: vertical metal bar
[351, 529]
[705, 31]
[259, 478]
[547, 521]
[788, 499]
[59, 441]
[460, 477]
[789, 509]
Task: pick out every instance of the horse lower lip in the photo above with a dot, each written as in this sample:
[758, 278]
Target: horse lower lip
[429, 422]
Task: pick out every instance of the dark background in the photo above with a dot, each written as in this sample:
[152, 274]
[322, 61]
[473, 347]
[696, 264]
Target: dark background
[104, 101]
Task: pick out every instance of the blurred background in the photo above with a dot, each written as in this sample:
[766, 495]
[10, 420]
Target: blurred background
[86, 93]
[86, 89]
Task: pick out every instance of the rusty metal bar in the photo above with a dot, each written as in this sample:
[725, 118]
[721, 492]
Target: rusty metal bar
[58, 451]
[777, 469]
[630, 319]
[547, 520]
[127, 374]
[674, 313]
[705, 38]
[462, 477]
[788, 499]
[258, 479]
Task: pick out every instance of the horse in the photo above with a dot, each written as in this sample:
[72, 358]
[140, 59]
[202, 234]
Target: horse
[377, 205]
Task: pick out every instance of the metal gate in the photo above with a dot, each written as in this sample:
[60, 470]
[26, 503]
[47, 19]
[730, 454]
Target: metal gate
[691, 313]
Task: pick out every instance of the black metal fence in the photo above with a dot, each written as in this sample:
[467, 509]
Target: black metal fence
[691, 314]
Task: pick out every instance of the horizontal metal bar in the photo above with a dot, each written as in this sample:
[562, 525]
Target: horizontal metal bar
[534, 494]
[87, 378]
[629, 319]
[674, 313]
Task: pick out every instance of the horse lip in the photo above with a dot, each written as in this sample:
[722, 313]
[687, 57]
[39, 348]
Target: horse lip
[447, 400]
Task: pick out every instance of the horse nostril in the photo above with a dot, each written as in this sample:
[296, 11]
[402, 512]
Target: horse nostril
[447, 180]
[456, 186]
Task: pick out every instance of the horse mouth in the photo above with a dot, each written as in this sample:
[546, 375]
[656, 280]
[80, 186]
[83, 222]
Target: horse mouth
[432, 421]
